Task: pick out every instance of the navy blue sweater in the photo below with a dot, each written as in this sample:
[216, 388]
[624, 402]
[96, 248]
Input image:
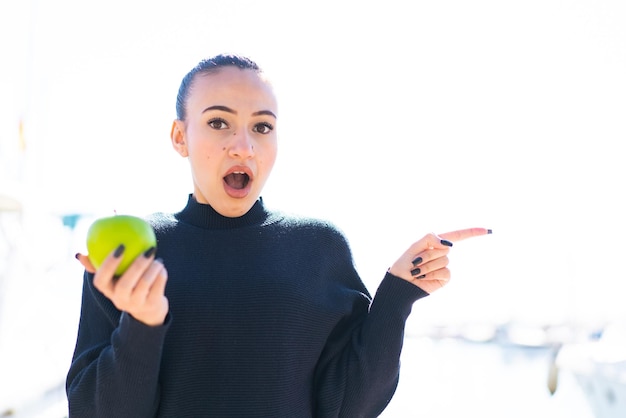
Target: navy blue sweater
[268, 318]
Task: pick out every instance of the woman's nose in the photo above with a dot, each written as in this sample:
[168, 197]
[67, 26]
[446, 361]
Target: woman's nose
[241, 145]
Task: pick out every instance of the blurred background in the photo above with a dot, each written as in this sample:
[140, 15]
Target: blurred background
[396, 119]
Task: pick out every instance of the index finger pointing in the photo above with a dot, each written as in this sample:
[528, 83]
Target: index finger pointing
[462, 234]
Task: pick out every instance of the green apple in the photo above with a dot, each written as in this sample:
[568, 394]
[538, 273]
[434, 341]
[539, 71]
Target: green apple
[106, 234]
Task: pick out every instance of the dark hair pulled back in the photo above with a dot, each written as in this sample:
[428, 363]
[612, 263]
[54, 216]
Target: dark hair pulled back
[209, 66]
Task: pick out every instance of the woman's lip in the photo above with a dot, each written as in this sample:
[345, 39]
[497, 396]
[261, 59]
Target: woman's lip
[240, 169]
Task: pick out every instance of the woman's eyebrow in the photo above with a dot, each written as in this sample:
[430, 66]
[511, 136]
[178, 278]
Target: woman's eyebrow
[265, 112]
[220, 107]
[234, 112]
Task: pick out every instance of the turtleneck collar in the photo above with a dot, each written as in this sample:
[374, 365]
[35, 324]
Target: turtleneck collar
[204, 216]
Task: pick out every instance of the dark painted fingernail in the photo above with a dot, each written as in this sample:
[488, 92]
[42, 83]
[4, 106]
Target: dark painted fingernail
[446, 243]
[415, 272]
[77, 256]
[149, 252]
[119, 251]
[489, 231]
[421, 277]
[417, 261]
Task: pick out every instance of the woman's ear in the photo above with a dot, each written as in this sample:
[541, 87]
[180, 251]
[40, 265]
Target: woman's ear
[178, 137]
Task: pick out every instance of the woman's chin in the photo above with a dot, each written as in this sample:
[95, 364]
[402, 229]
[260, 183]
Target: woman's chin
[234, 207]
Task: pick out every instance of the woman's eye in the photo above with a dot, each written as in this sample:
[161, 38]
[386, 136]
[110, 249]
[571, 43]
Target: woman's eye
[218, 124]
[263, 128]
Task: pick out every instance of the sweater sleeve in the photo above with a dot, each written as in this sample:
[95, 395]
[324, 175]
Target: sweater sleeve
[115, 367]
[359, 369]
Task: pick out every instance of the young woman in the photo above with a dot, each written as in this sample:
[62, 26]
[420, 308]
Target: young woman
[244, 312]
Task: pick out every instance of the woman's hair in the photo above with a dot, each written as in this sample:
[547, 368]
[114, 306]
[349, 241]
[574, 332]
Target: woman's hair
[209, 66]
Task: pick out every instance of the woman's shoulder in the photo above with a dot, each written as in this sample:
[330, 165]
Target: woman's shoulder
[161, 221]
[299, 220]
[307, 224]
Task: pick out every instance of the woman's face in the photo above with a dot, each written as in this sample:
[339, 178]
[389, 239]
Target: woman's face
[229, 136]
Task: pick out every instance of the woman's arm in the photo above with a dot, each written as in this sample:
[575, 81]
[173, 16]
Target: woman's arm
[115, 367]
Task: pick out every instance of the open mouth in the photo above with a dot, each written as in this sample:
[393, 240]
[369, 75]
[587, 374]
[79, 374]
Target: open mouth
[237, 180]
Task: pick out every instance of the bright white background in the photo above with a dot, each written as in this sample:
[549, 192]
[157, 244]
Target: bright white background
[396, 119]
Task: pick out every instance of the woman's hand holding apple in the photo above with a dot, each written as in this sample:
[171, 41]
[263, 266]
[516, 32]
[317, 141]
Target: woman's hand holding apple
[140, 291]
[121, 254]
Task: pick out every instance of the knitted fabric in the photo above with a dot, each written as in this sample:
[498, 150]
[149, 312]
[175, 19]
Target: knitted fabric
[268, 318]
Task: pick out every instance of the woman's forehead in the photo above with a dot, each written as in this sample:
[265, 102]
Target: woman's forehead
[232, 84]
[230, 78]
